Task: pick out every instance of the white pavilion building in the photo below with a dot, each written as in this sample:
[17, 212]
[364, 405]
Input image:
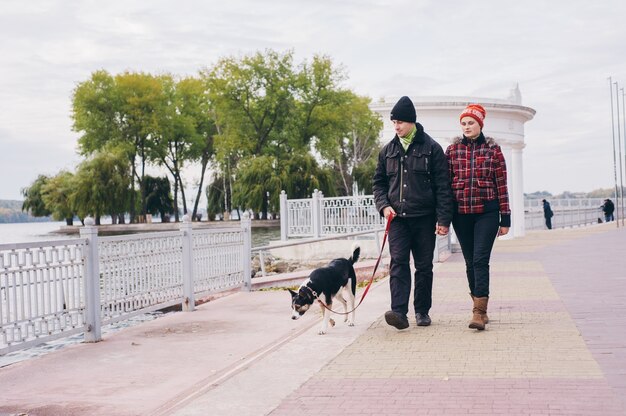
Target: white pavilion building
[504, 122]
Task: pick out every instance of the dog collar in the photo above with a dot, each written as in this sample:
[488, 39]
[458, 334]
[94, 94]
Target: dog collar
[314, 293]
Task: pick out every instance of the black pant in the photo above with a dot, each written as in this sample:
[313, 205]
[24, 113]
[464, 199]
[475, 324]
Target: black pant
[476, 234]
[411, 236]
[549, 222]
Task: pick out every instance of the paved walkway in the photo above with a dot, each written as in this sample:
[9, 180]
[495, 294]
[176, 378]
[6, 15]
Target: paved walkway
[556, 345]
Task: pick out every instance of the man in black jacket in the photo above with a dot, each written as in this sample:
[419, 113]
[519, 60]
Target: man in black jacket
[608, 208]
[547, 213]
[412, 184]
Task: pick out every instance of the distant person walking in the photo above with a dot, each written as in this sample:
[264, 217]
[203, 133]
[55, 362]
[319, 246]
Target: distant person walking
[608, 208]
[547, 213]
[411, 185]
[478, 174]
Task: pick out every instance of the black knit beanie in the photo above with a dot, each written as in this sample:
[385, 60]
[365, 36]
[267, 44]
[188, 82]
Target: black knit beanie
[404, 110]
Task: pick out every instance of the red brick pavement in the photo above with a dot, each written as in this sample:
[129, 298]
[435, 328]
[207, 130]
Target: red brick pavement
[452, 397]
[585, 268]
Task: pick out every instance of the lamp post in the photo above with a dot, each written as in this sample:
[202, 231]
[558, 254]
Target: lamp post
[617, 204]
[624, 140]
[619, 135]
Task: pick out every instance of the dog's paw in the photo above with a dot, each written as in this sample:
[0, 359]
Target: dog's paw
[331, 321]
[350, 323]
[321, 332]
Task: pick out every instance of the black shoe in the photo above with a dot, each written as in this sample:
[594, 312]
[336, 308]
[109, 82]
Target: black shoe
[422, 319]
[396, 319]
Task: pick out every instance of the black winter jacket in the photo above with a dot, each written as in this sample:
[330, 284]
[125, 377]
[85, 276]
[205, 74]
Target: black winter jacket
[416, 182]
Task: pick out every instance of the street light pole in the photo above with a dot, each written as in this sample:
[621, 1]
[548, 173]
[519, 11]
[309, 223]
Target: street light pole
[617, 204]
[623, 139]
[619, 135]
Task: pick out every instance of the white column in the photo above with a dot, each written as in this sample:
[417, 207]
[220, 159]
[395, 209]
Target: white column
[517, 179]
[186, 229]
[93, 319]
[284, 217]
[246, 228]
[316, 217]
[508, 158]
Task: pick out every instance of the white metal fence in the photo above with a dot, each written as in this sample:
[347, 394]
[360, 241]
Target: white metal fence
[319, 216]
[54, 289]
[336, 217]
[567, 212]
[41, 292]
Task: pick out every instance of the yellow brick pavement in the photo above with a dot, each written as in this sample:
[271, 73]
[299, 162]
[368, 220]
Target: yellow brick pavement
[518, 343]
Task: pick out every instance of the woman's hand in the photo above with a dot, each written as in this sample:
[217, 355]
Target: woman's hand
[441, 230]
[503, 231]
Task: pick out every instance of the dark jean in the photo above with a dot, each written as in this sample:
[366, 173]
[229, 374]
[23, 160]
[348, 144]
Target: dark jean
[411, 236]
[476, 234]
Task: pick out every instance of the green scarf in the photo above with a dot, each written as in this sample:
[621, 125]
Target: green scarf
[406, 141]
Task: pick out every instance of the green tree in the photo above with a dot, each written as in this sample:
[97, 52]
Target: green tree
[257, 177]
[125, 110]
[319, 96]
[252, 99]
[301, 175]
[33, 200]
[103, 185]
[352, 147]
[159, 197]
[56, 194]
[215, 193]
[269, 111]
[185, 133]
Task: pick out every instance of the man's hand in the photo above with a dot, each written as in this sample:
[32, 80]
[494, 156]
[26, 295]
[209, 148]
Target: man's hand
[387, 211]
[441, 230]
[503, 231]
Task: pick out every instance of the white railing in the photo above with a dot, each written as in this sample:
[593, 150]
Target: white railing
[219, 270]
[341, 215]
[320, 216]
[138, 272]
[54, 289]
[567, 212]
[41, 292]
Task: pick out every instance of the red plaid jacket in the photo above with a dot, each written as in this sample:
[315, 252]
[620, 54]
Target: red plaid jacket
[478, 176]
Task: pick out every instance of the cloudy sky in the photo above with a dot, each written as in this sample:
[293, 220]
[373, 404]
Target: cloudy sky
[561, 53]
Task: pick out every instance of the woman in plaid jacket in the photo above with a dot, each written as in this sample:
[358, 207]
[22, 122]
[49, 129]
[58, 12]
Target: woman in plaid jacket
[478, 176]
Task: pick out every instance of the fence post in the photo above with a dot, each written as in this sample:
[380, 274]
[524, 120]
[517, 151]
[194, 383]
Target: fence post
[315, 213]
[186, 230]
[246, 227]
[284, 217]
[93, 320]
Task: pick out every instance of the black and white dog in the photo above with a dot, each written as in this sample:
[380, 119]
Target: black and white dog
[327, 283]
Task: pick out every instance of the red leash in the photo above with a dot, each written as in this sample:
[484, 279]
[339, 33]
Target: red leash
[367, 288]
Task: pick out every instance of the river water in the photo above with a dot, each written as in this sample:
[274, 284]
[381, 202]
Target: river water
[41, 231]
[24, 232]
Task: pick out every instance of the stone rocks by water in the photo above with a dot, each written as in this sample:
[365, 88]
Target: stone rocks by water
[277, 266]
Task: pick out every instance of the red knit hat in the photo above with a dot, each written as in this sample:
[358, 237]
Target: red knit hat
[475, 111]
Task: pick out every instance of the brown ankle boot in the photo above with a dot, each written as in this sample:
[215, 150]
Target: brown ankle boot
[480, 309]
[485, 317]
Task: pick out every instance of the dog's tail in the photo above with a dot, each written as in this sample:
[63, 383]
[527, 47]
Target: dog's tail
[356, 252]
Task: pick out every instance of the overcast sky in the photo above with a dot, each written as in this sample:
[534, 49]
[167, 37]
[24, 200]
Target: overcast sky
[561, 53]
